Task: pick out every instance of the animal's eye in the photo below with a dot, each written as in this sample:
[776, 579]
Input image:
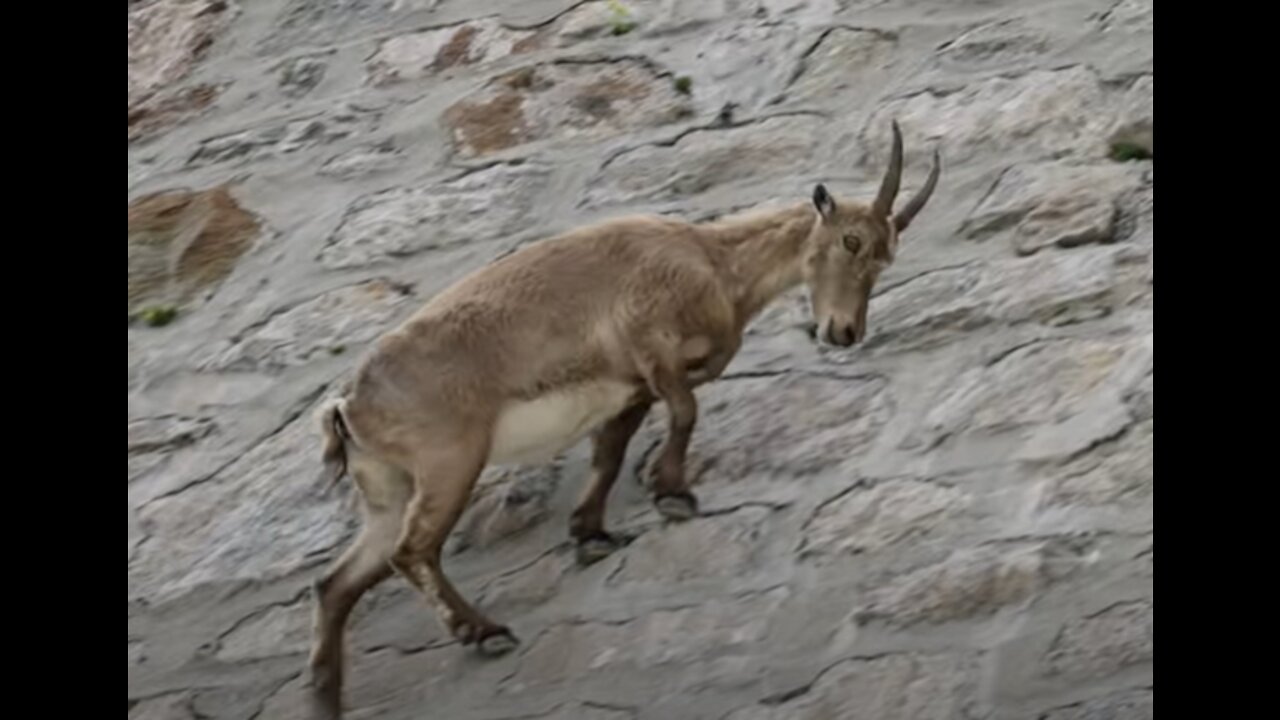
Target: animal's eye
[852, 243]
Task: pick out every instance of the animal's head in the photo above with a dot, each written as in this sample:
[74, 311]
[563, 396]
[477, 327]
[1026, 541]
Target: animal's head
[851, 244]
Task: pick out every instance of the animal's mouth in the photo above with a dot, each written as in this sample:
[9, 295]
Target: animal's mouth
[829, 333]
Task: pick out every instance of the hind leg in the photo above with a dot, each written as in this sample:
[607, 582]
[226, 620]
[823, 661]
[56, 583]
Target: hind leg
[384, 494]
[671, 493]
[444, 476]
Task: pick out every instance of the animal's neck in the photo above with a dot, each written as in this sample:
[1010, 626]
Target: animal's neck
[762, 254]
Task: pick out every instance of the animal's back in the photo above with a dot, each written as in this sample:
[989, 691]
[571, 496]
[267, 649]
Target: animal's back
[602, 262]
[536, 334]
[559, 294]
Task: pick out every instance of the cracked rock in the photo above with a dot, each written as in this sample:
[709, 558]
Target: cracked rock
[404, 221]
[894, 687]
[580, 102]
[705, 159]
[1049, 399]
[874, 516]
[328, 325]
[1106, 642]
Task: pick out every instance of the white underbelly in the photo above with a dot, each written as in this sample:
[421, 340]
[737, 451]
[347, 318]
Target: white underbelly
[535, 431]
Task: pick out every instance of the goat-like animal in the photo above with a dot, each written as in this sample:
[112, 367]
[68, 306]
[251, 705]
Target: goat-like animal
[577, 333]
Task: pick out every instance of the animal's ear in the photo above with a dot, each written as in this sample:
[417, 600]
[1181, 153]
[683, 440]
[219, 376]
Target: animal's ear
[823, 201]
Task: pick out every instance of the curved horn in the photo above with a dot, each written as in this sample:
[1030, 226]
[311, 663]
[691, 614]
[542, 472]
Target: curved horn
[892, 177]
[915, 204]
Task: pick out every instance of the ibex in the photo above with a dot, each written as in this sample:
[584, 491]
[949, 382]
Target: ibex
[577, 333]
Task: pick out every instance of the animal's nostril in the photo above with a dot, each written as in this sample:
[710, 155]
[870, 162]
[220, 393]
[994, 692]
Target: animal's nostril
[810, 329]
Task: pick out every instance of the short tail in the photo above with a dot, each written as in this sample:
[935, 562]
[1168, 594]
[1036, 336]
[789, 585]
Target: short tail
[336, 437]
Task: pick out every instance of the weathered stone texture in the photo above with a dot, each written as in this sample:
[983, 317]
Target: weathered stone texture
[284, 138]
[184, 242]
[895, 687]
[418, 55]
[1109, 640]
[403, 221]
[166, 41]
[707, 159]
[567, 102]
[1039, 114]
[327, 325]
[953, 520]
[874, 516]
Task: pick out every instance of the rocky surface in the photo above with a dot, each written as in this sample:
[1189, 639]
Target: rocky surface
[954, 520]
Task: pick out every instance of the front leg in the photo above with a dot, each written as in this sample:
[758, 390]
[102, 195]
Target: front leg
[706, 359]
[586, 525]
[670, 489]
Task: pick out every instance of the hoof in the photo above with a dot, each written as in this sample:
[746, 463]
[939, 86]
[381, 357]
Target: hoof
[321, 710]
[325, 696]
[498, 642]
[595, 548]
[677, 506]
